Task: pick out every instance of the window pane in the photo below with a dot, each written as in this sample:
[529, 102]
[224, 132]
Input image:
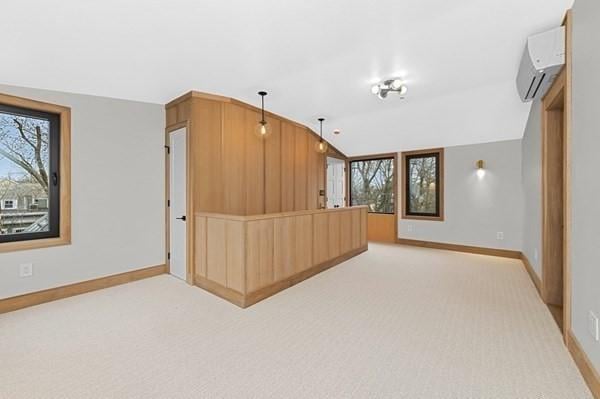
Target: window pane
[422, 181]
[24, 171]
[372, 184]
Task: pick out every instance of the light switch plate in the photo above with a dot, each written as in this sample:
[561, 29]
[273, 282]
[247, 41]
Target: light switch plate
[500, 235]
[593, 326]
[26, 270]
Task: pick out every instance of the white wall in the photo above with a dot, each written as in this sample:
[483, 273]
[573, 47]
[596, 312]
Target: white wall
[477, 209]
[532, 183]
[585, 185]
[117, 194]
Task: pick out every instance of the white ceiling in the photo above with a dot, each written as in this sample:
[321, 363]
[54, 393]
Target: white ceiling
[316, 58]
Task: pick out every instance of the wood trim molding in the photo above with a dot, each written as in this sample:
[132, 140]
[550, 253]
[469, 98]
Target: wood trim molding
[532, 274]
[53, 294]
[401, 200]
[585, 366]
[64, 237]
[504, 253]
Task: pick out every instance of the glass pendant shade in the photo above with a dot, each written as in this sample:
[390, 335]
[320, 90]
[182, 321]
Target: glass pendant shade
[321, 146]
[263, 129]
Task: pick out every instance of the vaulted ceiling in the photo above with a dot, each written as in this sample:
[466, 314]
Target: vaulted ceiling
[316, 58]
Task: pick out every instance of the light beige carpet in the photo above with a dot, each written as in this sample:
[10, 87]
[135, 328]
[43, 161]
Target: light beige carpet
[395, 322]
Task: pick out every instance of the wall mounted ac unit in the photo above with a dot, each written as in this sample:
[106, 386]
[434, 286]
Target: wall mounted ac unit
[543, 58]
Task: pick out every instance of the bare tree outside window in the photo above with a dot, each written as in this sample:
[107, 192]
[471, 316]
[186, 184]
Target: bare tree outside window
[422, 180]
[372, 184]
[24, 173]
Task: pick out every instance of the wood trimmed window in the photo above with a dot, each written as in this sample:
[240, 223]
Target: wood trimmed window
[372, 183]
[423, 184]
[35, 172]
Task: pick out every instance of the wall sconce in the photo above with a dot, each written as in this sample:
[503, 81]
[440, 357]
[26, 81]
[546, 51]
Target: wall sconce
[480, 169]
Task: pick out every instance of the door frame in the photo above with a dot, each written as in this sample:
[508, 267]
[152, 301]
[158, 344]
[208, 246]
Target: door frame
[558, 94]
[346, 170]
[189, 208]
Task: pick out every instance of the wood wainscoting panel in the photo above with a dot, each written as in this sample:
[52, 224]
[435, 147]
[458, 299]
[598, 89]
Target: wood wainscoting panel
[236, 255]
[263, 254]
[200, 238]
[364, 227]
[320, 237]
[288, 152]
[304, 242]
[300, 169]
[284, 253]
[345, 231]
[216, 251]
[355, 232]
[334, 235]
[259, 254]
[382, 227]
[273, 168]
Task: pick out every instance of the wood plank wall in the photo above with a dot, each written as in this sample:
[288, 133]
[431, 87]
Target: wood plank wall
[235, 172]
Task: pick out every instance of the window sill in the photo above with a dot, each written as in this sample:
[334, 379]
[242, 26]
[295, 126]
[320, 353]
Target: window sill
[430, 218]
[34, 244]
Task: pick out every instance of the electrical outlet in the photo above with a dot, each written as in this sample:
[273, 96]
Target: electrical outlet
[409, 227]
[500, 235]
[26, 270]
[593, 326]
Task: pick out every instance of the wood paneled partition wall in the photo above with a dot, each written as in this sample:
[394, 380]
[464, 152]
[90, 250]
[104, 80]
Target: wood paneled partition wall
[235, 172]
[245, 259]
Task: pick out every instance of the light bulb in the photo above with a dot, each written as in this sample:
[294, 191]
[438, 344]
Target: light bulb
[321, 146]
[396, 84]
[403, 90]
[480, 173]
[375, 89]
[263, 129]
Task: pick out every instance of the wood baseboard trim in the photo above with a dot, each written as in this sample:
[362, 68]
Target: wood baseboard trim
[504, 253]
[53, 294]
[586, 368]
[532, 274]
[235, 297]
[265, 292]
[245, 300]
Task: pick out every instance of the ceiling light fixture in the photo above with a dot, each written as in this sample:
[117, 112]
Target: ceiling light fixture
[395, 85]
[263, 129]
[321, 145]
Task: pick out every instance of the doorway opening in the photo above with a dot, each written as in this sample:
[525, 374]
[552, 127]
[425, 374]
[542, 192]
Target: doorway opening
[336, 182]
[553, 200]
[177, 245]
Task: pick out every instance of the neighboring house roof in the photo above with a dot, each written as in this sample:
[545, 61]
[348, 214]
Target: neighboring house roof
[11, 189]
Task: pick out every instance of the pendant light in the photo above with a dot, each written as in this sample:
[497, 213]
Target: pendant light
[263, 129]
[321, 145]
